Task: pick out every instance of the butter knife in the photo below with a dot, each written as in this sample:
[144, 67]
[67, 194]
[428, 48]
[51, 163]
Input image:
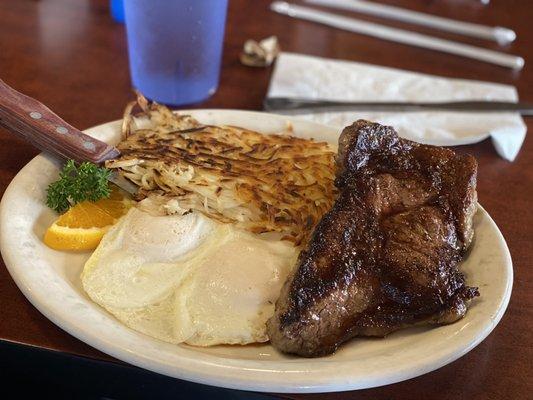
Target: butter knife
[288, 105]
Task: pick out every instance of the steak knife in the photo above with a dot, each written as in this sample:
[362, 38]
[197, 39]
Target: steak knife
[37, 124]
[302, 106]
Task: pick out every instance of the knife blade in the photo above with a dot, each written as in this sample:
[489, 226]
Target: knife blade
[288, 105]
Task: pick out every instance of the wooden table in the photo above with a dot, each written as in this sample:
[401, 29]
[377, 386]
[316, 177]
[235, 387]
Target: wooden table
[72, 56]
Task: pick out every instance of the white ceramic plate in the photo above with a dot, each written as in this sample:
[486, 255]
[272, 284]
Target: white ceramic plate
[50, 280]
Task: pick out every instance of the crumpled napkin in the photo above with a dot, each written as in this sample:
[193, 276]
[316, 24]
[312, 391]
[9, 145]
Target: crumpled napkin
[310, 77]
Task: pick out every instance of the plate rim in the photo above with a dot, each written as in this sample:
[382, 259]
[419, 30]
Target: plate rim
[238, 381]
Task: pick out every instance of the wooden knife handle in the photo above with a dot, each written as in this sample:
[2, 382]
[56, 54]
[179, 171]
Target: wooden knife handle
[33, 121]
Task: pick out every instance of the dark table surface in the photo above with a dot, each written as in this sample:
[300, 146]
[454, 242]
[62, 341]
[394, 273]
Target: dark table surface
[70, 55]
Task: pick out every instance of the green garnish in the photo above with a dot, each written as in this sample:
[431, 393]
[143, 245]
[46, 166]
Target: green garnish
[76, 183]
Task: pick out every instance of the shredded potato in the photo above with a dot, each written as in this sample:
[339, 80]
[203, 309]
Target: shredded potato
[262, 183]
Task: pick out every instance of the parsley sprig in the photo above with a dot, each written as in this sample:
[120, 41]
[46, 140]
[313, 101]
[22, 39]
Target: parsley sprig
[76, 183]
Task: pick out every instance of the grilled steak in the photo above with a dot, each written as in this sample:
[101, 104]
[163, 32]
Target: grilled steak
[386, 255]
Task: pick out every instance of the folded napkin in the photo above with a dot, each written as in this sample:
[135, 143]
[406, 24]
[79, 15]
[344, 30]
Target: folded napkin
[320, 78]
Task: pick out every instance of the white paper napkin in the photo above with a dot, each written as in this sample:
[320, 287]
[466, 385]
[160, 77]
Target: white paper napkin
[298, 75]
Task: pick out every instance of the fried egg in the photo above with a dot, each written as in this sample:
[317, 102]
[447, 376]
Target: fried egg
[186, 278]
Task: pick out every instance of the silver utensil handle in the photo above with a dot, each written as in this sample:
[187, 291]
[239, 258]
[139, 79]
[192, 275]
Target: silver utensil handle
[397, 35]
[494, 33]
[295, 105]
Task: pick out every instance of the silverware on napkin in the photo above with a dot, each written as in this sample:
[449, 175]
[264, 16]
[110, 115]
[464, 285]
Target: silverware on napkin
[303, 106]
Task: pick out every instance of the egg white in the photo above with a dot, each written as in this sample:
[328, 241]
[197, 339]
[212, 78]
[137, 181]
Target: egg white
[187, 278]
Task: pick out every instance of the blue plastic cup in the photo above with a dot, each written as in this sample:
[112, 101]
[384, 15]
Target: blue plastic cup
[175, 48]
[117, 10]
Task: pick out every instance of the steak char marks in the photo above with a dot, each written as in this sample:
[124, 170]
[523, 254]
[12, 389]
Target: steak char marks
[386, 255]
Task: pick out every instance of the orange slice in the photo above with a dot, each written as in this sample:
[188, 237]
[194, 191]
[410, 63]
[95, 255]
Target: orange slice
[83, 225]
